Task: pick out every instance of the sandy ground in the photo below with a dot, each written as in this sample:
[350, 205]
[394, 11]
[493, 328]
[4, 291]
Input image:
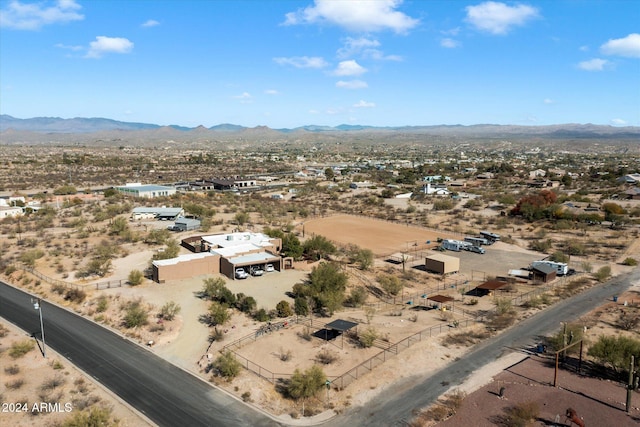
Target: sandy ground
[75, 389]
[382, 237]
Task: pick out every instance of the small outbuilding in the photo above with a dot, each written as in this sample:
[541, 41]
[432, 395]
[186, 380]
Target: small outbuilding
[186, 224]
[442, 264]
[543, 273]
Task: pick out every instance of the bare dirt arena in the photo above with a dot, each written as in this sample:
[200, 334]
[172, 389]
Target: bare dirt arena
[382, 237]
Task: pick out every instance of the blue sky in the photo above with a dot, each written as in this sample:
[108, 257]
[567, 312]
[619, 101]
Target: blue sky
[325, 62]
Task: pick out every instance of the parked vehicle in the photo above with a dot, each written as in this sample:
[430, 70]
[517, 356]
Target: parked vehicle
[257, 271]
[561, 268]
[476, 249]
[241, 274]
[269, 268]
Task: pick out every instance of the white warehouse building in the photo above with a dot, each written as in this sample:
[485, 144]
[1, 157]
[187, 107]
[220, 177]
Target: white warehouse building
[147, 191]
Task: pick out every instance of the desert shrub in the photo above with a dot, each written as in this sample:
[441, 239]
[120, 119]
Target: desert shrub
[245, 304]
[443, 204]
[170, 310]
[326, 357]
[285, 355]
[467, 338]
[603, 273]
[15, 384]
[75, 295]
[522, 414]
[58, 288]
[52, 383]
[630, 261]
[96, 416]
[615, 351]
[284, 309]
[261, 315]
[540, 245]
[135, 315]
[368, 337]
[85, 401]
[503, 306]
[103, 304]
[392, 285]
[29, 257]
[20, 348]
[306, 384]
[11, 369]
[56, 364]
[3, 331]
[357, 296]
[306, 334]
[246, 396]
[135, 277]
[300, 306]
[559, 256]
[227, 366]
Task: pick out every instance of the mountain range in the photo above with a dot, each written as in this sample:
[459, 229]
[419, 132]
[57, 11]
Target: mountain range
[99, 131]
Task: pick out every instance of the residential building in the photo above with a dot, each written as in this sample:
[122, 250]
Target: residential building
[147, 191]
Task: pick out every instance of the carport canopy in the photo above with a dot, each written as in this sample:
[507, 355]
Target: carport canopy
[441, 298]
[341, 325]
[492, 285]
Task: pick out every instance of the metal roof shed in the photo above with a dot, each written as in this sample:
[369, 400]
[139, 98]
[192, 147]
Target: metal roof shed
[340, 326]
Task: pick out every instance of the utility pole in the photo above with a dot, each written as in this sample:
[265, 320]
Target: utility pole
[37, 304]
[630, 385]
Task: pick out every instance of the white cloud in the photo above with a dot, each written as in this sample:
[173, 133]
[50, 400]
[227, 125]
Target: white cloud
[351, 84]
[245, 98]
[302, 61]
[549, 101]
[618, 122]
[33, 16]
[449, 43]
[584, 48]
[349, 68]
[364, 104]
[103, 45]
[150, 23]
[595, 64]
[363, 15]
[499, 18]
[627, 46]
[68, 47]
[356, 46]
[271, 92]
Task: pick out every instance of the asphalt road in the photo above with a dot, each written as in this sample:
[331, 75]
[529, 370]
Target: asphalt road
[171, 397]
[394, 406]
[167, 395]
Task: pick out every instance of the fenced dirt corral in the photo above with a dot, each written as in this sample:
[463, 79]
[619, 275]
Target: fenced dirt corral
[381, 236]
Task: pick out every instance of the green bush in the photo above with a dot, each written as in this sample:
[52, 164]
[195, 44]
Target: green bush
[135, 315]
[20, 348]
[135, 277]
[284, 309]
[603, 273]
[170, 310]
[630, 261]
[227, 366]
[368, 337]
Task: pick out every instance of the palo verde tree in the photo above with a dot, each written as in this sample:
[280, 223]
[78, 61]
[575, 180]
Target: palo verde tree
[318, 247]
[327, 285]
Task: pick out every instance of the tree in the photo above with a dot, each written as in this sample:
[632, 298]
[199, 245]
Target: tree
[362, 257]
[318, 247]
[615, 351]
[327, 285]
[291, 246]
[301, 308]
[171, 251]
[329, 174]
[303, 385]
[218, 314]
[245, 304]
[135, 277]
[227, 365]
[559, 256]
[392, 285]
[242, 218]
[284, 309]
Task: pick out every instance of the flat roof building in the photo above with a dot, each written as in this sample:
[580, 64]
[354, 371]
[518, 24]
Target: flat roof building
[147, 191]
